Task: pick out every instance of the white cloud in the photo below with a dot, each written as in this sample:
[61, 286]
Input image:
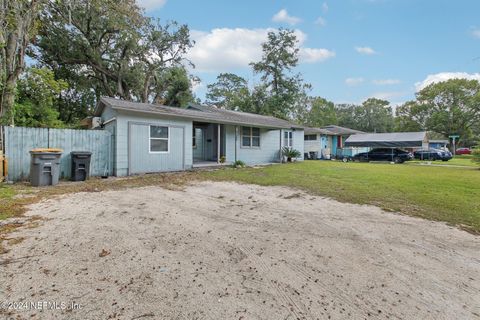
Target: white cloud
[321, 21]
[283, 16]
[324, 7]
[310, 55]
[151, 4]
[225, 49]
[476, 33]
[444, 76]
[385, 82]
[354, 81]
[365, 50]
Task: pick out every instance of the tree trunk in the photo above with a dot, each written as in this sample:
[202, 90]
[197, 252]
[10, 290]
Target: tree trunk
[7, 99]
[17, 36]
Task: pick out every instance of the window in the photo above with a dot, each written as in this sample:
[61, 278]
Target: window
[250, 137]
[310, 137]
[288, 139]
[194, 137]
[159, 141]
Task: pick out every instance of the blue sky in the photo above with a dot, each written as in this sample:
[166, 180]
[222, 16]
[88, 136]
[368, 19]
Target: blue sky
[350, 49]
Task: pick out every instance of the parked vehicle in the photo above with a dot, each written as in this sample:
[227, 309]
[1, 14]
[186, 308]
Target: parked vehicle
[384, 154]
[463, 151]
[432, 154]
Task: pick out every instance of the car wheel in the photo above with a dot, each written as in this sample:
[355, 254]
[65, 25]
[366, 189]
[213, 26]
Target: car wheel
[345, 159]
[397, 160]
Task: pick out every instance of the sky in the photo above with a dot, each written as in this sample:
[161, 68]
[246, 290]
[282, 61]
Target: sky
[350, 50]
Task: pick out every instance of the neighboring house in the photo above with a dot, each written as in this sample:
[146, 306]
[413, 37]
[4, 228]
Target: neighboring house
[327, 142]
[155, 138]
[438, 144]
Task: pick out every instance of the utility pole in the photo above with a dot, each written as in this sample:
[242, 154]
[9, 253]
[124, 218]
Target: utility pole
[454, 139]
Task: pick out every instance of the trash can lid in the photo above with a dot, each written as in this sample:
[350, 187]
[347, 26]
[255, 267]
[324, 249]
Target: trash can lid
[81, 152]
[46, 150]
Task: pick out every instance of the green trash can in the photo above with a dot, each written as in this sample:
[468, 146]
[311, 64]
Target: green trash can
[45, 167]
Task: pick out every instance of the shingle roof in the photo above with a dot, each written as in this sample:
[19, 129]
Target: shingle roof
[317, 130]
[197, 113]
[341, 130]
[332, 130]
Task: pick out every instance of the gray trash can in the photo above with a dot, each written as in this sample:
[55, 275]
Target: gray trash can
[80, 165]
[45, 167]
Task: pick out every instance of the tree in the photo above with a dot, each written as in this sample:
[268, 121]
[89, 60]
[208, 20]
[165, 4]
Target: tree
[320, 113]
[18, 26]
[408, 118]
[38, 92]
[174, 87]
[374, 115]
[229, 92]
[450, 107]
[280, 56]
[346, 115]
[122, 53]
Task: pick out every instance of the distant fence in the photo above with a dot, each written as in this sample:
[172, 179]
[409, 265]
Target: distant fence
[19, 141]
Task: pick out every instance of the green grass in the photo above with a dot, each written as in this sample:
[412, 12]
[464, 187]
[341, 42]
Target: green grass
[464, 161]
[6, 198]
[447, 194]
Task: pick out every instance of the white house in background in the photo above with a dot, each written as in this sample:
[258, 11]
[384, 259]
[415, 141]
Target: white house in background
[328, 142]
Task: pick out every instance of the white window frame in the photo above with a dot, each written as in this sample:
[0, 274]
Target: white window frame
[250, 136]
[150, 139]
[288, 142]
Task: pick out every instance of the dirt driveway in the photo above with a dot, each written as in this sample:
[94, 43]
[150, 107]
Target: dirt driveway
[229, 251]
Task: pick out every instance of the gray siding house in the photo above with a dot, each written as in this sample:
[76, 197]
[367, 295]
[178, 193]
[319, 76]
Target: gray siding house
[155, 138]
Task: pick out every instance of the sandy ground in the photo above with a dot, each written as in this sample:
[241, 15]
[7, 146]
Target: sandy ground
[230, 251]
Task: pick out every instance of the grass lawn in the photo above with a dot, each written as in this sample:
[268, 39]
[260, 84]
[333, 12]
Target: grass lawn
[6, 198]
[456, 161]
[448, 194]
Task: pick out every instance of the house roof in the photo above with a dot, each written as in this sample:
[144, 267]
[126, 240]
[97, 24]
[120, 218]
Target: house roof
[317, 130]
[341, 130]
[196, 113]
[332, 130]
[387, 140]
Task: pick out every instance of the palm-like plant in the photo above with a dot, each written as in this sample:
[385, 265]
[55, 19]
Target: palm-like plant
[290, 153]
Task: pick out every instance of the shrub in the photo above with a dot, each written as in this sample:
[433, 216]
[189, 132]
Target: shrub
[290, 153]
[476, 156]
[223, 159]
[238, 164]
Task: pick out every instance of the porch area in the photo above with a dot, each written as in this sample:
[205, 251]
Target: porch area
[208, 145]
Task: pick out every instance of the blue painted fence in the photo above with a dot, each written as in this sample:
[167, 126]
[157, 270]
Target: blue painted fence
[19, 141]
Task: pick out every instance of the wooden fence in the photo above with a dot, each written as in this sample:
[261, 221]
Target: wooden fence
[19, 141]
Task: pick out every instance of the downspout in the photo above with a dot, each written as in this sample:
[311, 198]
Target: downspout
[280, 150]
[236, 133]
[218, 143]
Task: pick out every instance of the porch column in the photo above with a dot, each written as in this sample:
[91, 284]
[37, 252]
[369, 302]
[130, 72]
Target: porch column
[218, 143]
[280, 153]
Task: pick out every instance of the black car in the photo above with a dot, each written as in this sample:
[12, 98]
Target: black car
[433, 154]
[384, 154]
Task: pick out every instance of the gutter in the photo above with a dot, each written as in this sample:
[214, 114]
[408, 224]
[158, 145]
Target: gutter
[205, 119]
